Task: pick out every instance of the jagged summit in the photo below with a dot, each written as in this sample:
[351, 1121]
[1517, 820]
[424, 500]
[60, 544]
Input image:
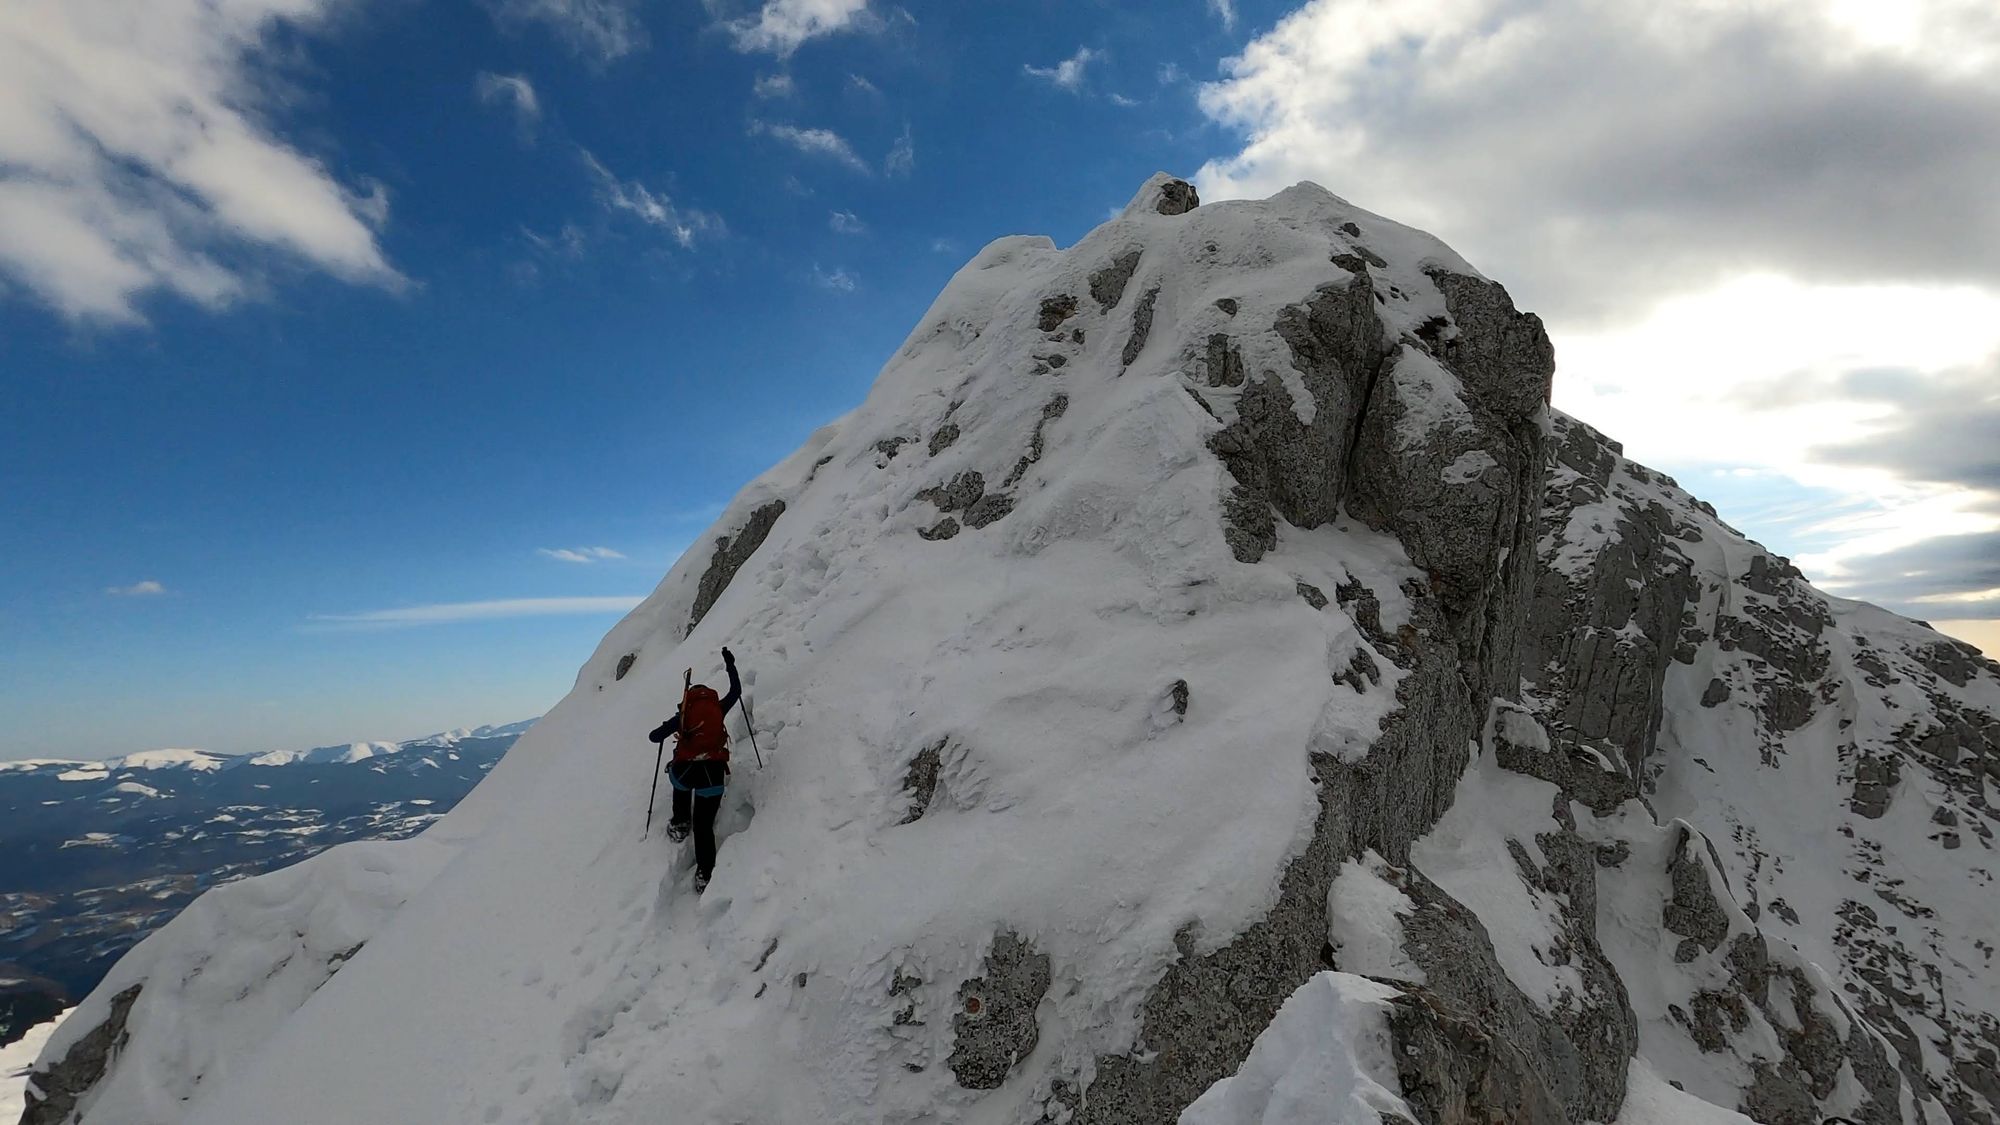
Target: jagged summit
[1175, 636]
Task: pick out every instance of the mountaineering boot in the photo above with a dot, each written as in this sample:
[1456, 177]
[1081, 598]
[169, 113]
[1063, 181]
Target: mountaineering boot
[677, 832]
[700, 881]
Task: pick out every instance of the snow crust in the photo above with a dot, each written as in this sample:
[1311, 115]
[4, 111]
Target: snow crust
[219, 979]
[1650, 1100]
[1467, 855]
[1365, 913]
[1326, 1059]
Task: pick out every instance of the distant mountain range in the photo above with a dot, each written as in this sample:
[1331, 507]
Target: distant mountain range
[95, 855]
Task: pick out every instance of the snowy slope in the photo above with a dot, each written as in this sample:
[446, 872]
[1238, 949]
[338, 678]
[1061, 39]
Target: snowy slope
[15, 1059]
[1840, 758]
[1134, 672]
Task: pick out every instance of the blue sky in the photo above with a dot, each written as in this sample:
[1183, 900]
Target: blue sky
[464, 286]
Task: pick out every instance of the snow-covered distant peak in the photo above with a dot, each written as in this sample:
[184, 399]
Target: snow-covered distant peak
[170, 759]
[101, 769]
[326, 755]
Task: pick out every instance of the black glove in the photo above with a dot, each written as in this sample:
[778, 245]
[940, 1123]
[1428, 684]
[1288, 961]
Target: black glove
[729, 658]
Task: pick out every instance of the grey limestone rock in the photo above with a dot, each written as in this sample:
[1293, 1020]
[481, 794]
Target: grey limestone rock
[1107, 286]
[1694, 912]
[961, 493]
[731, 552]
[922, 780]
[994, 1027]
[1177, 197]
[1055, 310]
[1142, 327]
[1299, 468]
[1456, 1072]
[56, 1090]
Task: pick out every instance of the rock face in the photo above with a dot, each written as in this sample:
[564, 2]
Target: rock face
[1205, 666]
[1823, 748]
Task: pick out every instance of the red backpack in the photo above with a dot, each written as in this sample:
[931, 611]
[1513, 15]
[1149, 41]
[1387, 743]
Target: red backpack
[703, 736]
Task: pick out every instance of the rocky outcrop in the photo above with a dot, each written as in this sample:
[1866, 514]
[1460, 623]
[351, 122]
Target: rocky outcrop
[731, 552]
[1649, 612]
[55, 1091]
[994, 1027]
[1413, 443]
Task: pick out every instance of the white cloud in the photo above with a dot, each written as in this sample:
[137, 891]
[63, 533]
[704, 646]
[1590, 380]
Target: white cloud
[142, 589]
[943, 246]
[1067, 74]
[513, 91]
[452, 612]
[839, 280]
[902, 158]
[846, 222]
[1122, 100]
[814, 142]
[683, 224]
[1679, 143]
[861, 85]
[778, 85]
[1749, 374]
[1171, 74]
[1729, 213]
[600, 30]
[1225, 10]
[579, 554]
[135, 156]
[780, 27]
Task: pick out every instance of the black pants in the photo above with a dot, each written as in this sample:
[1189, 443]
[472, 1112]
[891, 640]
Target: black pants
[695, 812]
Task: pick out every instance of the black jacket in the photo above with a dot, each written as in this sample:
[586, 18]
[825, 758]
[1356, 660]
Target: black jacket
[672, 726]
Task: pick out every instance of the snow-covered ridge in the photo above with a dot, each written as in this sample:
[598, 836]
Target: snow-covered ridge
[1182, 629]
[97, 769]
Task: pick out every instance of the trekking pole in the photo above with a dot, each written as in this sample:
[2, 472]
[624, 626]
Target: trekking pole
[659, 753]
[750, 725]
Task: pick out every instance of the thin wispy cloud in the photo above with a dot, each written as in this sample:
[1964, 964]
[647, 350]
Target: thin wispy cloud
[1225, 10]
[902, 158]
[512, 91]
[840, 280]
[449, 613]
[146, 588]
[1067, 74]
[598, 30]
[137, 155]
[813, 142]
[579, 554]
[845, 222]
[780, 27]
[779, 85]
[683, 224]
[1122, 100]
[862, 86]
